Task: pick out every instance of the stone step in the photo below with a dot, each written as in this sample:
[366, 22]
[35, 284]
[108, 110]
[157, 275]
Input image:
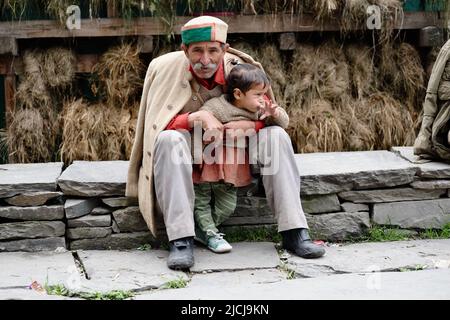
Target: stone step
[31, 177]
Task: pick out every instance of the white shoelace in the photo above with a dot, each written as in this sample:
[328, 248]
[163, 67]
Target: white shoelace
[214, 234]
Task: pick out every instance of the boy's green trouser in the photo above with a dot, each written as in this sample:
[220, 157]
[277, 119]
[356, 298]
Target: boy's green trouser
[214, 203]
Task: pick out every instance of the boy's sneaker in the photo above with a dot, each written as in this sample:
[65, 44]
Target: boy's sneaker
[217, 243]
[200, 236]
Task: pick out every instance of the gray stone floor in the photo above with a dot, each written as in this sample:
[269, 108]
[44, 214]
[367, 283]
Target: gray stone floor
[390, 270]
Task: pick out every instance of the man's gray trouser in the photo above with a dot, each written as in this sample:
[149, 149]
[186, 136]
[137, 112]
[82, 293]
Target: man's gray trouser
[175, 190]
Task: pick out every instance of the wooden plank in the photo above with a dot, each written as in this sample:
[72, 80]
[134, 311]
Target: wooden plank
[6, 65]
[237, 24]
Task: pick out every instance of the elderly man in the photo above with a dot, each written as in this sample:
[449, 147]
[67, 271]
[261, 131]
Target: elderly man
[160, 172]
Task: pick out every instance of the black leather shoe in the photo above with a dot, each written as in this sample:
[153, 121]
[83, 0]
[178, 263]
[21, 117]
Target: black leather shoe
[181, 254]
[299, 242]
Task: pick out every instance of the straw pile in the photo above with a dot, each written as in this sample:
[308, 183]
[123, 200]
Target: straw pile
[58, 67]
[335, 103]
[318, 128]
[402, 73]
[120, 74]
[106, 130]
[388, 119]
[90, 132]
[46, 76]
[31, 136]
[362, 70]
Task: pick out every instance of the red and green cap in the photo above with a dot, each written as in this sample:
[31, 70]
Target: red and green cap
[204, 28]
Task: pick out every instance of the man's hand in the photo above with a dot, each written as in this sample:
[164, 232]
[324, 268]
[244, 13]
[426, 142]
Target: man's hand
[213, 127]
[241, 128]
[270, 110]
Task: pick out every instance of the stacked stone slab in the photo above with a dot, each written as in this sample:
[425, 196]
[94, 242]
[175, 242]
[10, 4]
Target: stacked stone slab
[31, 208]
[344, 193]
[98, 215]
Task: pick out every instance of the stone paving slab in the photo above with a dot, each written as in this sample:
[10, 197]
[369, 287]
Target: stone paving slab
[377, 256]
[94, 178]
[126, 270]
[245, 255]
[417, 285]
[30, 177]
[20, 269]
[426, 169]
[34, 245]
[244, 277]
[332, 172]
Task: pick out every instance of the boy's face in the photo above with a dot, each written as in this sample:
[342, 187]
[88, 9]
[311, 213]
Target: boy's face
[253, 99]
[205, 57]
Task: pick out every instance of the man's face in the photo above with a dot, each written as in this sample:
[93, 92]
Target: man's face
[205, 57]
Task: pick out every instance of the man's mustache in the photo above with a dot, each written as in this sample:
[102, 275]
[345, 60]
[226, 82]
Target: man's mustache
[198, 66]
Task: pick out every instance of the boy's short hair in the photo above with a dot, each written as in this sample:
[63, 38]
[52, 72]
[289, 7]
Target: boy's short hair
[245, 76]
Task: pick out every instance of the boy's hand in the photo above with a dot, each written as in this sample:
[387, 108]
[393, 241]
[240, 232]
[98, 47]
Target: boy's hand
[270, 110]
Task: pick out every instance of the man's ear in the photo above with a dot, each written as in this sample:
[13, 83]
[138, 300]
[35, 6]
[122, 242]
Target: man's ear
[184, 48]
[226, 47]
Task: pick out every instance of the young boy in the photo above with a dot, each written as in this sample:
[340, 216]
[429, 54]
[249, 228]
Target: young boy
[216, 183]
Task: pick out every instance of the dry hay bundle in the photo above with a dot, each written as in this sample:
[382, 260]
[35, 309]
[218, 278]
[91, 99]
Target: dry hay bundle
[57, 9]
[402, 72]
[430, 60]
[32, 87]
[362, 70]
[90, 132]
[357, 134]
[32, 135]
[273, 65]
[322, 73]
[300, 77]
[316, 129]
[412, 73]
[119, 71]
[391, 13]
[58, 67]
[354, 15]
[323, 9]
[246, 48]
[127, 127]
[388, 119]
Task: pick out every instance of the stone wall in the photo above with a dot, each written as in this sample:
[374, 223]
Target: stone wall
[43, 207]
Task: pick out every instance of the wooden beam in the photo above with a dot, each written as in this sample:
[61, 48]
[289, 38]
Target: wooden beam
[237, 24]
[6, 65]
